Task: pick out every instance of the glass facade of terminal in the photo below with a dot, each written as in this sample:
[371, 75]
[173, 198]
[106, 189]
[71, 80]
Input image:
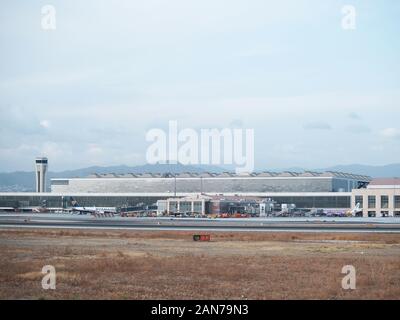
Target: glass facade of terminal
[48, 201]
[308, 202]
[56, 201]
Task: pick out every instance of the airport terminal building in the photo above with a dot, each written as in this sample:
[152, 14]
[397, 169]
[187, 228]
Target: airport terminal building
[306, 190]
[51, 200]
[264, 182]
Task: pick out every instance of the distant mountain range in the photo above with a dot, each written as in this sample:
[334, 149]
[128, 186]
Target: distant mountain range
[22, 181]
[25, 181]
[387, 171]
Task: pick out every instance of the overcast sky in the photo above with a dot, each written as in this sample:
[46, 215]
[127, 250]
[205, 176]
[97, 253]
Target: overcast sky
[86, 93]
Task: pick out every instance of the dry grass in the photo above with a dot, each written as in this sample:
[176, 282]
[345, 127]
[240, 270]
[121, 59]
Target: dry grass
[389, 238]
[169, 265]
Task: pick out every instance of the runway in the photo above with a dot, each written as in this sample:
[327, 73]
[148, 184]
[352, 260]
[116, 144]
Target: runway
[69, 221]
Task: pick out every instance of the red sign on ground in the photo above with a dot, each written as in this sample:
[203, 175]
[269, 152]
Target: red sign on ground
[201, 237]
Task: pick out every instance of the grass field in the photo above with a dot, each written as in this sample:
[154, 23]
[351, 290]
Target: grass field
[170, 265]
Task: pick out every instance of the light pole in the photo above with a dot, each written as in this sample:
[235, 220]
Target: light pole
[176, 170]
[394, 195]
[175, 184]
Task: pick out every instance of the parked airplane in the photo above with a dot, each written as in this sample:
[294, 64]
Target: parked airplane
[93, 210]
[89, 210]
[335, 213]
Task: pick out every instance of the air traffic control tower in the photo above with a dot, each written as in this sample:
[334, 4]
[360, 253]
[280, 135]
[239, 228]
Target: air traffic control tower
[41, 171]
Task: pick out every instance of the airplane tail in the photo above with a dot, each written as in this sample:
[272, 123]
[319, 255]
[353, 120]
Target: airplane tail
[356, 210]
[74, 203]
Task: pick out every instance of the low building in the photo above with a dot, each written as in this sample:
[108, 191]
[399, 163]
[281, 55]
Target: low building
[215, 205]
[193, 204]
[381, 198]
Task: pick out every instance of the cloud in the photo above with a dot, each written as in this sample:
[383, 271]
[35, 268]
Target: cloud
[391, 133]
[19, 120]
[236, 123]
[354, 116]
[208, 64]
[358, 129]
[257, 52]
[317, 126]
[94, 150]
[45, 124]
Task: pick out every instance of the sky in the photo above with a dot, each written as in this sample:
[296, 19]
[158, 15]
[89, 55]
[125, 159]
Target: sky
[86, 93]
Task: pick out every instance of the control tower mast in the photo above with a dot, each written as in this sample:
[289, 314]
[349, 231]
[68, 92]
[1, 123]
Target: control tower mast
[41, 172]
